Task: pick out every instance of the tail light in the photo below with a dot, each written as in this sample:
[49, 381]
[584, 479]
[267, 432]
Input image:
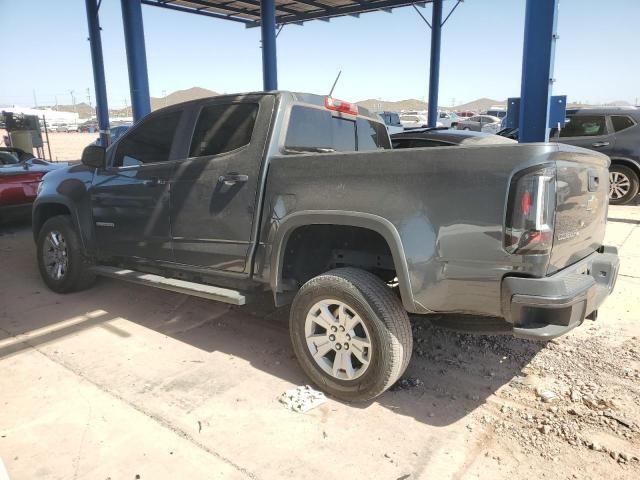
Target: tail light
[340, 106]
[530, 213]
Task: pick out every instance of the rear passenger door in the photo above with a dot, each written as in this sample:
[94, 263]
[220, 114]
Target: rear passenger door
[214, 192]
[588, 131]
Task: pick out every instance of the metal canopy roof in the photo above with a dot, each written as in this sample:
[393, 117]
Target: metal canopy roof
[287, 11]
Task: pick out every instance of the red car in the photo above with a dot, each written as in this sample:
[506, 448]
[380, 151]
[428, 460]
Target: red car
[19, 180]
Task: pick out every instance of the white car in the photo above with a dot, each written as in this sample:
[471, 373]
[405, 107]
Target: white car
[411, 120]
[391, 121]
[448, 119]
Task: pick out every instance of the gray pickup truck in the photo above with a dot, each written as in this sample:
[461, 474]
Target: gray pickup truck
[301, 195]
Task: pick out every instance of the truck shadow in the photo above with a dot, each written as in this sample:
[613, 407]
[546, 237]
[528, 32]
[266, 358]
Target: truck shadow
[450, 374]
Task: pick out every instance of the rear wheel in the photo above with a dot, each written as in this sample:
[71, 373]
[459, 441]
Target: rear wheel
[623, 184]
[466, 128]
[350, 334]
[62, 264]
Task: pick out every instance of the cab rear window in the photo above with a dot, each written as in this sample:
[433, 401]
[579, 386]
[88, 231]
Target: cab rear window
[317, 129]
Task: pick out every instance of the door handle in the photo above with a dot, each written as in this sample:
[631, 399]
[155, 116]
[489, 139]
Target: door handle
[600, 144]
[233, 178]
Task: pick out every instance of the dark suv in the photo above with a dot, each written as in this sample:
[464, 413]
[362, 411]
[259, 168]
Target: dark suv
[613, 131]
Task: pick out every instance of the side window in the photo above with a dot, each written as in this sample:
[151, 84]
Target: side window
[150, 142]
[222, 128]
[474, 119]
[584, 126]
[621, 122]
[371, 135]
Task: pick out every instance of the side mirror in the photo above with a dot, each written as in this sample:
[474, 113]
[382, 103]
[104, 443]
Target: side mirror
[94, 156]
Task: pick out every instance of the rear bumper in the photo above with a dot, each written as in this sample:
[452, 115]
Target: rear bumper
[545, 308]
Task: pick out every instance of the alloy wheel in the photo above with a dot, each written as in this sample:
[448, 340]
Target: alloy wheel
[338, 339]
[619, 185]
[56, 258]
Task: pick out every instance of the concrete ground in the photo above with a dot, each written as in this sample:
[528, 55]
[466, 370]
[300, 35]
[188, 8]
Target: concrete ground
[124, 382]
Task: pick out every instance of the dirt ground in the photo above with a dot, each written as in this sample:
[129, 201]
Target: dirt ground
[65, 146]
[124, 381]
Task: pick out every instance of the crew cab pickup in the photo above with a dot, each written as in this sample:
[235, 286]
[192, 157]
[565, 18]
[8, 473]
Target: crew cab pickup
[299, 195]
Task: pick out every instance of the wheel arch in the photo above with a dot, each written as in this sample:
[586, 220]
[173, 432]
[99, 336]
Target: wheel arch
[366, 221]
[627, 162]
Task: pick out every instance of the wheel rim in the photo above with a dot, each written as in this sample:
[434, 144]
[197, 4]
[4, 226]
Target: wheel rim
[619, 185]
[56, 258]
[338, 339]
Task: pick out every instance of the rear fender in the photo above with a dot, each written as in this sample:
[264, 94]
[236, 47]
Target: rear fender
[372, 222]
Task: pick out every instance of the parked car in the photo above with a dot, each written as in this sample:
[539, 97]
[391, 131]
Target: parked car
[116, 133]
[464, 114]
[88, 126]
[391, 121]
[73, 127]
[414, 119]
[613, 131]
[62, 127]
[499, 112]
[301, 196]
[448, 119]
[20, 175]
[480, 123]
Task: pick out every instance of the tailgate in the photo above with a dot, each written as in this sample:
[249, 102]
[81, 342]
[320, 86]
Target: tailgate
[582, 201]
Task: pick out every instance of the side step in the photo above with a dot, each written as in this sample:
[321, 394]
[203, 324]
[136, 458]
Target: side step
[180, 286]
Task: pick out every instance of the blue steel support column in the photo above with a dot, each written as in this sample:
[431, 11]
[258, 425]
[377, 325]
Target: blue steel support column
[537, 69]
[269, 61]
[95, 43]
[434, 66]
[136, 58]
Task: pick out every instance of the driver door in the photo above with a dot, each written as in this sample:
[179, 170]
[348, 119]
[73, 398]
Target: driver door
[130, 198]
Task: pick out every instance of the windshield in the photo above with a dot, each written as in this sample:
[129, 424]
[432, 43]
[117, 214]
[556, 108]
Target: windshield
[7, 158]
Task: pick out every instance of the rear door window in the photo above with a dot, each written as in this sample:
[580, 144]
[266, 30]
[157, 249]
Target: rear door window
[150, 142]
[621, 122]
[584, 126]
[222, 128]
[371, 135]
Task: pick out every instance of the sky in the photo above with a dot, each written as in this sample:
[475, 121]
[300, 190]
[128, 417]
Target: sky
[381, 55]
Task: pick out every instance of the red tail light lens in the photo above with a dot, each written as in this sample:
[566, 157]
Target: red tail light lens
[531, 212]
[340, 106]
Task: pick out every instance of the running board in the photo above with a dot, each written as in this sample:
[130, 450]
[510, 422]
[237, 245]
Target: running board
[180, 286]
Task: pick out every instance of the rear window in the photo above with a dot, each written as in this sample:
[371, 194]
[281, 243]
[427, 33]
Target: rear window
[222, 128]
[584, 126]
[621, 122]
[314, 128]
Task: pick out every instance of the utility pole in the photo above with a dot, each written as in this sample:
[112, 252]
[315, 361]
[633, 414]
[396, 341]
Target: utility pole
[126, 106]
[73, 100]
[35, 100]
[89, 98]
[56, 97]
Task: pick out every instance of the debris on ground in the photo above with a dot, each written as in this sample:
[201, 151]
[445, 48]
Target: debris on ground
[302, 399]
[406, 383]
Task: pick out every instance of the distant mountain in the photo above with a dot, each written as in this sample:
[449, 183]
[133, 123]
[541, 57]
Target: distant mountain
[180, 96]
[481, 104]
[83, 109]
[380, 105]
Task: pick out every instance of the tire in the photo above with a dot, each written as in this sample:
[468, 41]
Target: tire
[623, 184]
[382, 323]
[466, 128]
[74, 273]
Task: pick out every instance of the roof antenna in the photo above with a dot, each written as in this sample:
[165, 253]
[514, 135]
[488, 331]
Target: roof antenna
[334, 83]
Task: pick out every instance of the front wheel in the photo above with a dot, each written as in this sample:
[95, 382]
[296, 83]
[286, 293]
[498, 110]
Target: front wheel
[623, 184]
[350, 333]
[61, 261]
